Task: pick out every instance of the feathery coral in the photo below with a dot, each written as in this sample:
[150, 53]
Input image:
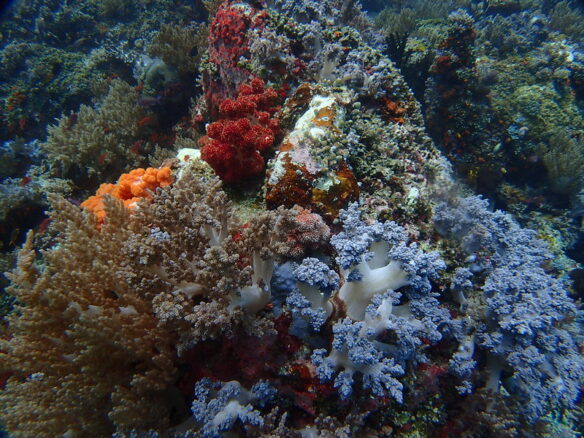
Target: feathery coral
[95, 141]
[79, 319]
[107, 317]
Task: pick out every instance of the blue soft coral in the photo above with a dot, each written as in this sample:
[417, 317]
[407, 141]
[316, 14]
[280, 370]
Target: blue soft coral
[527, 309]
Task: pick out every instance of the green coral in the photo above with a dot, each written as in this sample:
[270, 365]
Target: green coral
[541, 109]
[404, 16]
[564, 161]
[63, 78]
[567, 18]
[418, 422]
[97, 142]
[527, 95]
[180, 46]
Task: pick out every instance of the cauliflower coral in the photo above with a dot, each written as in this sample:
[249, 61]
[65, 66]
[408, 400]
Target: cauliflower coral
[233, 145]
[131, 187]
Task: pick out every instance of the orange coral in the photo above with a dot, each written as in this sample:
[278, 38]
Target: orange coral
[131, 187]
[297, 186]
[325, 117]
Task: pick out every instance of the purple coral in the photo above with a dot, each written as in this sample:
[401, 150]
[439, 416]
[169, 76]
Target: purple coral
[526, 308]
[355, 347]
[462, 364]
[355, 350]
[313, 272]
[482, 231]
[218, 406]
[315, 282]
[301, 308]
[413, 326]
[375, 258]
[354, 242]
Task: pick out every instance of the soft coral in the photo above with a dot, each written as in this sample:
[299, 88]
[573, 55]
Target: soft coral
[131, 187]
[234, 144]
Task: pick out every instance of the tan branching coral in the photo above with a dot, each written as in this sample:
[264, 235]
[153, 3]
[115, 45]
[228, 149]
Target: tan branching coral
[189, 255]
[180, 46]
[84, 344]
[216, 270]
[96, 338]
[98, 141]
[564, 161]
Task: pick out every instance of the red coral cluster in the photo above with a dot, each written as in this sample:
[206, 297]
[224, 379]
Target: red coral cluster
[233, 145]
[227, 32]
[228, 48]
[243, 357]
[311, 232]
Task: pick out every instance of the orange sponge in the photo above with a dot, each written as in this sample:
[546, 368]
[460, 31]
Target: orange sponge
[131, 187]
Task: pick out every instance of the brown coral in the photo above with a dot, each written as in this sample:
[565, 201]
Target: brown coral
[338, 195]
[296, 188]
[393, 110]
[293, 188]
[97, 141]
[97, 335]
[86, 351]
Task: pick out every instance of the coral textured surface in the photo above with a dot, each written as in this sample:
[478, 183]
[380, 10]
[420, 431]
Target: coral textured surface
[247, 128]
[131, 187]
[293, 219]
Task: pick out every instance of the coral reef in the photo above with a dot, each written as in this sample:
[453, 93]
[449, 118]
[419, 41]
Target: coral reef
[103, 307]
[57, 56]
[504, 95]
[262, 218]
[565, 17]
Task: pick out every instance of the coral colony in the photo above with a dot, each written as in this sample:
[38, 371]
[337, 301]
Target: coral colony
[255, 229]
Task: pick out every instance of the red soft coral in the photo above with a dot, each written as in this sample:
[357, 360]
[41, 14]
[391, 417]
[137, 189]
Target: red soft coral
[310, 232]
[233, 144]
[227, 37]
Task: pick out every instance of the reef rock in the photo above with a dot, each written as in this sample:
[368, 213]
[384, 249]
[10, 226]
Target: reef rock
[308, 170]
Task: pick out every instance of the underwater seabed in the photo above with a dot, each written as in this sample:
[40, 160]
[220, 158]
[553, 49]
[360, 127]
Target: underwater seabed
[282, 218]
